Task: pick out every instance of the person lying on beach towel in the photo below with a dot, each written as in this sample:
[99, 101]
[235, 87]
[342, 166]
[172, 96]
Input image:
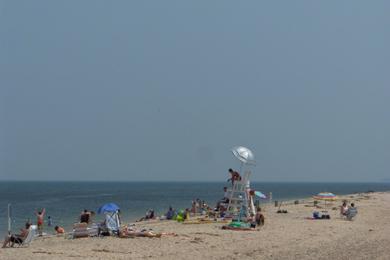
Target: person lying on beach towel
[130, 232]
[17, 238]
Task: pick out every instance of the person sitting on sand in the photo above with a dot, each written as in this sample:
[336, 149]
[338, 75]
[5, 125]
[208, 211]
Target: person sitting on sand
[148, 215]
[59, 230]
[170, 213]
[344, 208]
[40, 219]
[352, 208]
[151, 214]
[17, 238]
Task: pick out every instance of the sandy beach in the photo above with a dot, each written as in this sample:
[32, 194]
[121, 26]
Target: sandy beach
[284, 236]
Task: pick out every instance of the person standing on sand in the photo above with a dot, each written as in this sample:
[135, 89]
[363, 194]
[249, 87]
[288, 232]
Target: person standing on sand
[40, 219]
[259, 217]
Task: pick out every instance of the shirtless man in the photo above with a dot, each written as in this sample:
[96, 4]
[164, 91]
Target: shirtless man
[18, 238]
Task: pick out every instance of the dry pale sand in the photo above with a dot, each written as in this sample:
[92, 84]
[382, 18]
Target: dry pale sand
[285, 236]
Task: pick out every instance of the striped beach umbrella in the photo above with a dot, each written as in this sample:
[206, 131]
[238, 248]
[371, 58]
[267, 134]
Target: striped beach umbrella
[260, 195]
[327, 196]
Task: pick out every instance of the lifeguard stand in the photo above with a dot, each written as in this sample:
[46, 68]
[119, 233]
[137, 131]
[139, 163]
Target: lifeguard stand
[240, 202]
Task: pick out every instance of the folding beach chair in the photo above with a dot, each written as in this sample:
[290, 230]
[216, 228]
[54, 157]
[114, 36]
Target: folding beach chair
[80, 230]
[32, 231]
[83, 230]
[31, 234]
[112, 222]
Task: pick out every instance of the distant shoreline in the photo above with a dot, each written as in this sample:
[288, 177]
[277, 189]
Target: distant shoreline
[175, 181]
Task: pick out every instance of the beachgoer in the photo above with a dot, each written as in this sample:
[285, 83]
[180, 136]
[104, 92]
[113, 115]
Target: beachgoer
[49, 221]
[40, 220]
[259, 217]
[150, 214]
[344, 208]
[187, 214]
[59, 230]
[197, 205]
[91, 215]
[351, 212]
[170, 213]
[252, 221]
[352, 208]
[17, 238]
[193, 207]
[85, 216]
[234, 176]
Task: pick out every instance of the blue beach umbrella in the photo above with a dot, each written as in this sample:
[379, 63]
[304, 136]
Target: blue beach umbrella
[109, 207]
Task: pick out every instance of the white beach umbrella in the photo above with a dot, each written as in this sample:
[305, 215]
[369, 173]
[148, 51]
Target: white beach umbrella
[244, 155]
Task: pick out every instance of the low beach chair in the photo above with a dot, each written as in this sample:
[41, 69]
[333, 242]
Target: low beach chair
[31, 234]
[83, 230]
[113, 222]
[80, 230]
[32, 231]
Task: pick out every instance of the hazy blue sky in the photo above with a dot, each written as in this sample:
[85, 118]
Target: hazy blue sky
[161, 90]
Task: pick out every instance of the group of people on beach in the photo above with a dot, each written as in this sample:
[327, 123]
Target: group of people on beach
[198, 207]
[346, 210]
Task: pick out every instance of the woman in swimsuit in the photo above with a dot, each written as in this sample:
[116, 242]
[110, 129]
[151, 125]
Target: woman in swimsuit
[40, 219]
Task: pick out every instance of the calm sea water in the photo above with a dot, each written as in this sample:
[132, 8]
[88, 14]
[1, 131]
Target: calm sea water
[65, 200]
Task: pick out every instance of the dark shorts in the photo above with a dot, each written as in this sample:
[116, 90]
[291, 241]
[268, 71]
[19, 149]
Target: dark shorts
[16, 240]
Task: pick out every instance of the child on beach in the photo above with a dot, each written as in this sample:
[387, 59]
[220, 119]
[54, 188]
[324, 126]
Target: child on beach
[40, 220]
[49, 221]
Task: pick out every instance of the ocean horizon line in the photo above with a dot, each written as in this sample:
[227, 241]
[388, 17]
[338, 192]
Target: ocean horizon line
[190, 181]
